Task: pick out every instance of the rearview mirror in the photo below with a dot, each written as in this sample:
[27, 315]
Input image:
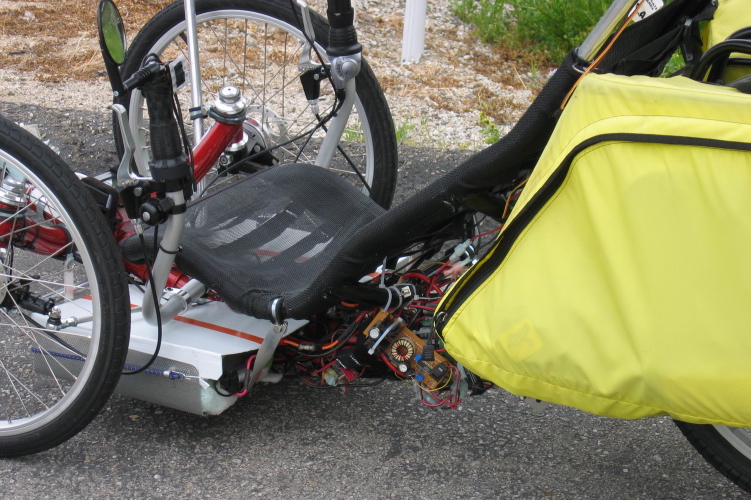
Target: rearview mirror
[111, 32]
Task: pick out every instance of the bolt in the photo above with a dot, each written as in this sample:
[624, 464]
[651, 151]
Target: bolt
[229, 94]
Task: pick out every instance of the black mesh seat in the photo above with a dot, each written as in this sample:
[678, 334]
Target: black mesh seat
[271, 235]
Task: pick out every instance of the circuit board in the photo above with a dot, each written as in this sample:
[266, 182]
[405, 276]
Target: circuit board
[405, 351]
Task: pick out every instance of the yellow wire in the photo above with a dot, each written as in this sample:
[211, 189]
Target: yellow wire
[508, 201]
[448, 381]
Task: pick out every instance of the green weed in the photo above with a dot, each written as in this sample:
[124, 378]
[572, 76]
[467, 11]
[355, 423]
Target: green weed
[489, 130]
[353, 133]
[553, 26]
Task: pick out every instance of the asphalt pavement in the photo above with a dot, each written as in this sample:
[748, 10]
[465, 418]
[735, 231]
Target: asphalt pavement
[289, 441]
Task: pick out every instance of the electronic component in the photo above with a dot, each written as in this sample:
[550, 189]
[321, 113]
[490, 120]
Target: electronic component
[402, 350]
[407, 352]
[439, 371]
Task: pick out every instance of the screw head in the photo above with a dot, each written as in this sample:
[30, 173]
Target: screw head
[229, 94]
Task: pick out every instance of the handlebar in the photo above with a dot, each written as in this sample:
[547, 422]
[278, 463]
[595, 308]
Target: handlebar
[142, 76]
[608, 22]
[169, 163]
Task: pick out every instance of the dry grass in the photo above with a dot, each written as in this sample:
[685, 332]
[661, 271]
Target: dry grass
[57, 39]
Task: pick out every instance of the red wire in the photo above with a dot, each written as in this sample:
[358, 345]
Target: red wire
[388, 363]
[486, 233]
[323, 368]
[416, 275]
[247, 369]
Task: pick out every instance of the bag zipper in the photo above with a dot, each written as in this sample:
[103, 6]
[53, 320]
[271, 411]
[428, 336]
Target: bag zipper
[488, 266]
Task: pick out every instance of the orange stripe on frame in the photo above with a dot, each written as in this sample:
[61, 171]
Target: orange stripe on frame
[220, 329]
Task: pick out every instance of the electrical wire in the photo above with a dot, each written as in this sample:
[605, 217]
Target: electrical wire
[158, 312]
[248, 373]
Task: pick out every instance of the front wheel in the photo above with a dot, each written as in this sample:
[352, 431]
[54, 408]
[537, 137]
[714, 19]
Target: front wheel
[258, 46]
[728, 449]
[64, 308]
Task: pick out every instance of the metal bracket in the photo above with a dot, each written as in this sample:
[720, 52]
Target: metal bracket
[125, 176]
[307, 23]
[270, 342]
[266, 352]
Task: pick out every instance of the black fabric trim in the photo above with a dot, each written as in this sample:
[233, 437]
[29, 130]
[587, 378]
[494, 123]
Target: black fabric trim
[543, 195]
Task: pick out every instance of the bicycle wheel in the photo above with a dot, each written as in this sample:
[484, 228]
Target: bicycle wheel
[256, 45]
[728, 449]
[64, 308]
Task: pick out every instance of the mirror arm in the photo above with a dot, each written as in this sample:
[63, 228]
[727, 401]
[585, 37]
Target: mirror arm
[116, 80]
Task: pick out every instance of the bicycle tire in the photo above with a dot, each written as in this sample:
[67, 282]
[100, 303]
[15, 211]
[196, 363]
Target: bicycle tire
[727, 449]
[278, 106]
[54, 381]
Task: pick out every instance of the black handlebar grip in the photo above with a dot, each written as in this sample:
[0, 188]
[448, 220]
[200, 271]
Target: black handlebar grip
[343, 42]
[342, 33]
[169, 161]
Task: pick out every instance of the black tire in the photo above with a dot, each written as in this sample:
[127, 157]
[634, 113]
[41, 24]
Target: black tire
[265, 33]
[728, 449]
[54, 381]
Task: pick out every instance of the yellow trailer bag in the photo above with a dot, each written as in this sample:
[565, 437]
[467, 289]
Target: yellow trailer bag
[621, 284]
[730, 18]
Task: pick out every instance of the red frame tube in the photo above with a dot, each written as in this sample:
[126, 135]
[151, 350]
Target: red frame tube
[212, 144]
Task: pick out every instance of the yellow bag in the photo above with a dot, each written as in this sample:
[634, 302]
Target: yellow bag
[730, 17]
[621, 284]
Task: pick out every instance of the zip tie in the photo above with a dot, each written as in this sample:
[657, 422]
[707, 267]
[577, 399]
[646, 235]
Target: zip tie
[398, 321]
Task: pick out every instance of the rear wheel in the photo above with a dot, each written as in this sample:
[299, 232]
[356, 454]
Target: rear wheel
[257, 46]
[64, 309]
[728, 449]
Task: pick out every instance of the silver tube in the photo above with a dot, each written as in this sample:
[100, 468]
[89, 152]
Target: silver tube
[196, 99]
[605, 26]
[336, 127]
[180, 300]
[164, 259]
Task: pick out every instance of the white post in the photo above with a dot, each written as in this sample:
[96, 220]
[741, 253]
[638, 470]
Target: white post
[413, 38]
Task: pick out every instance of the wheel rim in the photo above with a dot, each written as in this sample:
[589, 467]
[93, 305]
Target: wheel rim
[738, 437]
[271, 89]
[43, 371]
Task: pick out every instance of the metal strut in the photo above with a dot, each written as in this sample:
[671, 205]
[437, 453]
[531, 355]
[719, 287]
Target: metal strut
[270, 342]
